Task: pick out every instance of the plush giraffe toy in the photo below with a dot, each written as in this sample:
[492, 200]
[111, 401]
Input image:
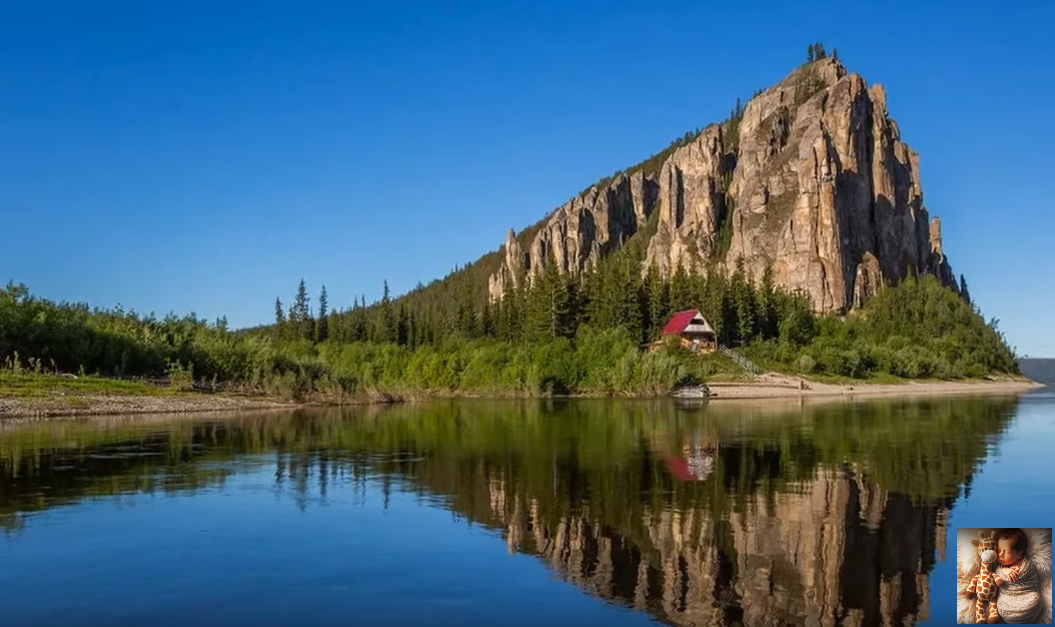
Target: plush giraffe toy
[985, 582]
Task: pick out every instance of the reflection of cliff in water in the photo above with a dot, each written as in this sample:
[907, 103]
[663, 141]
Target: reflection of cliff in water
[838, 552]
[825, 516]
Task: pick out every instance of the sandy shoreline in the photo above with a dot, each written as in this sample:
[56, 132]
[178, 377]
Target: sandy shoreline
[121, 404]
[769, 386]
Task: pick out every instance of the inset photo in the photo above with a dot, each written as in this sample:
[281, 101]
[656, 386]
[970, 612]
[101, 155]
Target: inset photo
[1003, 576]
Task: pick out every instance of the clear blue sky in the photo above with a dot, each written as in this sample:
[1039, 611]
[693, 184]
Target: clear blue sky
[205, 155]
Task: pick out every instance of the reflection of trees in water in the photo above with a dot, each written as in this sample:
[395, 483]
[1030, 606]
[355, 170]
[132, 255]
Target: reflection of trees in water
[52, 465]
[831, 514]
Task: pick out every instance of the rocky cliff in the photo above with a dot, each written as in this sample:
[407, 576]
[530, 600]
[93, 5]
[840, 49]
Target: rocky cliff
[812, 180]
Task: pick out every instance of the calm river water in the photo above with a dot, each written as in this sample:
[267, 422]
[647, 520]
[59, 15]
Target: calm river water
[536, 513]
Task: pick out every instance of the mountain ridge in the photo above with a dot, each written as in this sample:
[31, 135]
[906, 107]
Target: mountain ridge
[810, 178]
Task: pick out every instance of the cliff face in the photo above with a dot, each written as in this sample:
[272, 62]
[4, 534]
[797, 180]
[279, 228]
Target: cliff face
[591, 225]
[813, 181]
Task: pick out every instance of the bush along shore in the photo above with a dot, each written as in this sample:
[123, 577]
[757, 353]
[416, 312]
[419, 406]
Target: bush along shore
[559, 336]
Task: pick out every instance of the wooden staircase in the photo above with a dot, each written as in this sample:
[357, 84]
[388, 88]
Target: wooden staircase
[739, 359]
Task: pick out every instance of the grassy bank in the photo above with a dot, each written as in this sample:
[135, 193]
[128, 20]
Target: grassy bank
[43, 385]
[28, 394]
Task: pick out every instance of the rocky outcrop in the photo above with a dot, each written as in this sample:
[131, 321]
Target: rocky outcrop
[591, 225]
[813, 181]
[691, 202]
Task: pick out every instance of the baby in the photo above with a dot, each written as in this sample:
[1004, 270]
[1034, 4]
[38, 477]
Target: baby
[1019, 600]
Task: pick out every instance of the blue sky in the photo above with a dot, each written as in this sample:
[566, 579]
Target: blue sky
[205, 155]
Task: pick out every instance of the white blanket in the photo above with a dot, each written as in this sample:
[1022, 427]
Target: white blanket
[1019, 603]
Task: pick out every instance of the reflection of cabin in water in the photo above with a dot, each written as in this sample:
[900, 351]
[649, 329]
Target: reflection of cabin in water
[695, 333]
[696, 462]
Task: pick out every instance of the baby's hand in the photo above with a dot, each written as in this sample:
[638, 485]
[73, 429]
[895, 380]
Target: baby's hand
[1013, 575]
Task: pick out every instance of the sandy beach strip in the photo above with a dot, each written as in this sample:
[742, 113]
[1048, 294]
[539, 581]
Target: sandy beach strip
[771, 385]
[115, 404]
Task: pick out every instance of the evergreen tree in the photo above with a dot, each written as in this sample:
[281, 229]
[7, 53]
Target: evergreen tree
[280, 319]
[503, 313]
[518, 309]
[487, 321]
[590, 294]
[658, 301]
[576, 305]
[767, 305]
[466, 318]
[681, 296]
[299, 313]
[322, 326]
[403, 326]
[744, 302]
[386, 323]
[629, 286]
[335, 327]
[560, 305]
[719, 306]
[811, 55]
[412, 330]
[542, 302]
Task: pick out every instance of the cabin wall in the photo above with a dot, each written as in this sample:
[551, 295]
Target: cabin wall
[706, 343]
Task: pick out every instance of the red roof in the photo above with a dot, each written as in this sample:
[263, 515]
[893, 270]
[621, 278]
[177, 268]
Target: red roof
[679, 321]
[680, 470]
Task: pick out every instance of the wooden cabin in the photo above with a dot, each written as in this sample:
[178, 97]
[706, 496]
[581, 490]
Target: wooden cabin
[695, 333]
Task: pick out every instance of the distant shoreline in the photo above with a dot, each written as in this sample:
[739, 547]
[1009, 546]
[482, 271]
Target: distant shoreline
[769, 386]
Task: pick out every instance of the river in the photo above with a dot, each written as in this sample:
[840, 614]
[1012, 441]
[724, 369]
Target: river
[585, 512]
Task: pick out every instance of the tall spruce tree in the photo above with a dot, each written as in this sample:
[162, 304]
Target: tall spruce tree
[386, 322]
[280, 319]
[658, 301]
[322, 325]
[299, 313]
[744, 303]
[681, 296]
[767, 305]
[466, 321]
[545, 303]
[630, 287]
[403, 326]
[487, 321]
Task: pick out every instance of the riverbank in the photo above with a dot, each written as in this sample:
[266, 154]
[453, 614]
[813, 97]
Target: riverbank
[774, 386]
[96, 400]
[113, 404]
